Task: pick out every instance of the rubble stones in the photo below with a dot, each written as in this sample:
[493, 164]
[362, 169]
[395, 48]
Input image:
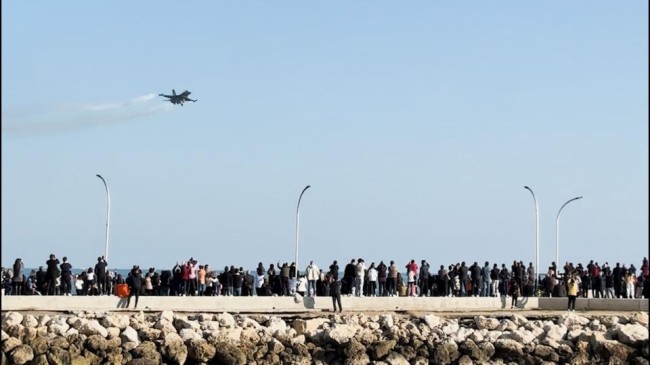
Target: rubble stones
[174, 338]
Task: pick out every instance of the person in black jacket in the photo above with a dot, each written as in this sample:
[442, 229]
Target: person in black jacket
[66, 277]
[134, 281]
[50, 276]
[335, 292]
[423, 279]
[348, 277]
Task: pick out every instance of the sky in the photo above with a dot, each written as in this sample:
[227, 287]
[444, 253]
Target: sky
[417, 126]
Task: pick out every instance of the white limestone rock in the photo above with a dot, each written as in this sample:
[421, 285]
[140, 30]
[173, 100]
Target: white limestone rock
[630, 334]
[12, 319]
[226, 320]
[486, 323]
[120, 321]
[189, 335]
[555, 332]
[92, 327]
[30, 321]
[524, 336]
[341, 333]
[276, 325]
[432, 321]
[130, 335]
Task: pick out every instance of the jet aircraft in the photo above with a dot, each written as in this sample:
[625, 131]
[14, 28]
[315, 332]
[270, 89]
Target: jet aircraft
[178, 98]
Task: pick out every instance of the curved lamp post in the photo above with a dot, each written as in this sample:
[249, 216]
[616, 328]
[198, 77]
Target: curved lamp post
[108, 214]
[536, 236]
[298, 227]
[557, 231]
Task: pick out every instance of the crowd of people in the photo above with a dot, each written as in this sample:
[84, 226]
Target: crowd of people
[190, 278]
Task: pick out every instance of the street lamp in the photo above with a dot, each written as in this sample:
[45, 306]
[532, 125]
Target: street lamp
[298, 227]
[108, 214]
[536, 236]
[557, 231]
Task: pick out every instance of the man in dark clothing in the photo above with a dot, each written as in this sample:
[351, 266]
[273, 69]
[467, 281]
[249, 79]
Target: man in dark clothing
[382, 274]
[134, 281]
[100, 275]
[463, 279]
[475, 273]
[335, 292]
[349, 274]
[50, 276]
[334, 270]
[494, 277]
[617, 276]
[504, 279]
[443, 281]
[423, 279]
[41, 283]
[66, 277]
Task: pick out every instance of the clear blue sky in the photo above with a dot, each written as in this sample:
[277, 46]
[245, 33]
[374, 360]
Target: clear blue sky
[417, 126]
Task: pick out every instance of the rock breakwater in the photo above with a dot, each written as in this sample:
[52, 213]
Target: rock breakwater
[396, 339]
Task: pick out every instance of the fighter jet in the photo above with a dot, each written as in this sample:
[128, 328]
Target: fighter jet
[178, 99]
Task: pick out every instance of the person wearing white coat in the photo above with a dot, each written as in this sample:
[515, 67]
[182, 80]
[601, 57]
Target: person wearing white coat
[313, 274]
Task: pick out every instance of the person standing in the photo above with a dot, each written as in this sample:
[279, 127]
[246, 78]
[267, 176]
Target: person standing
[18, 276]
[313, 274]
[515, 291]
[443, 282]
[134, 281]
[494, 276]
[50, 275]
[360, 274]
[391, 282]
[486, 280]
[100, 275]
[572, 292]
[66, 277]
[382, 271]
[335, 293]
[372, 280]
[424, 278]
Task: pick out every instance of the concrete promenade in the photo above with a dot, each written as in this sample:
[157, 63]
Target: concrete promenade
[318, 304]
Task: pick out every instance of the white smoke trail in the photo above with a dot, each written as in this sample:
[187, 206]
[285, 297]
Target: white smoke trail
[72, 117]
[138, 100]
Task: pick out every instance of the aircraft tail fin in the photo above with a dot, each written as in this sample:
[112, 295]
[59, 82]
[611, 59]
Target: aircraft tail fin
[173, 92]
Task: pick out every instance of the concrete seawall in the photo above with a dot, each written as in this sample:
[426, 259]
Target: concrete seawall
[317, 304]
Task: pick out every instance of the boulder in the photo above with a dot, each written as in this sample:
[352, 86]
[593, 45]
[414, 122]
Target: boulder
[226, 320]
[432, 321]
[39, 344]
[130, 335]
[96, 343]
[188, 335]
[486, 323]
[630, 334]
[395, 358]
[58, 356]
[12, 319]
[381, 349]
[341, 333]
[508, 349]
[147, 350]
[276, 325]
[446, 352]
[92, 327]
[174, 349]
[30, 321]
[22, 354]
[120, 321]
[200, 351]
[524, 337]
[228, 353]
[9, 344]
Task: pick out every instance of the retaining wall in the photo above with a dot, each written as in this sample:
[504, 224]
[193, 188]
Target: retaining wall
[288, 304]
